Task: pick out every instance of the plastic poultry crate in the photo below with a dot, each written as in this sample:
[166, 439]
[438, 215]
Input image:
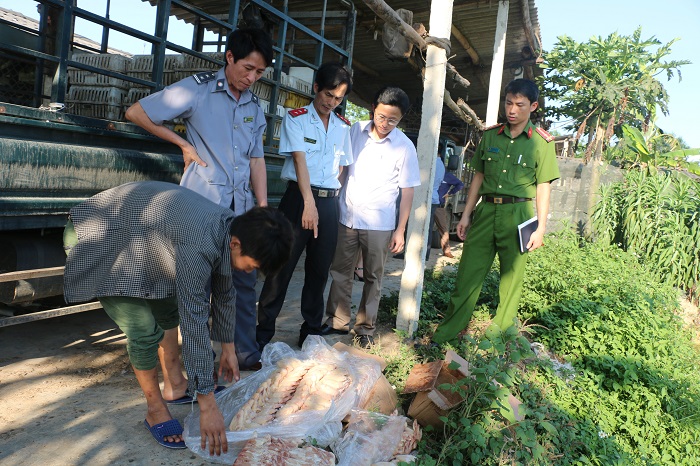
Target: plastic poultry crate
[106, 61]
[142, 68]
[97, 102]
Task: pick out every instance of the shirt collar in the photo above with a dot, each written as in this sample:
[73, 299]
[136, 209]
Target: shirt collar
[528, 131]
[366, 126]
[316, 118]
[222, 85]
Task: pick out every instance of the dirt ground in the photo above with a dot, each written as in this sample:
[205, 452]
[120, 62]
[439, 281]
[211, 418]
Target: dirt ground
[68, 395]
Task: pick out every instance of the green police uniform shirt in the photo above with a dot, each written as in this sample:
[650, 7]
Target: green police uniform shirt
[515, 166]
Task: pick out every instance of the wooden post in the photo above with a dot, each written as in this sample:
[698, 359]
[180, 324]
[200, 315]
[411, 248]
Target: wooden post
[384, 11]
[499, 55]
[428, 138]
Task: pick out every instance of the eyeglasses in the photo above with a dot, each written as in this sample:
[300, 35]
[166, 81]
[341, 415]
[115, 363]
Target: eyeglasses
[389, 121]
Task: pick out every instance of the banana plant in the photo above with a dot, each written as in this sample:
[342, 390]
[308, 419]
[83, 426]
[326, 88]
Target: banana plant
[641, 144]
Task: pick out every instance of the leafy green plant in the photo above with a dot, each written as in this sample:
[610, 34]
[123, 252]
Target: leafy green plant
[607, 81]
[655, 216]
[483, 429]
[614, 379]
[636, 370]
[644, 147]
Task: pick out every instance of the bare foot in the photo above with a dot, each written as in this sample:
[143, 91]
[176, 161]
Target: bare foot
[156, 416]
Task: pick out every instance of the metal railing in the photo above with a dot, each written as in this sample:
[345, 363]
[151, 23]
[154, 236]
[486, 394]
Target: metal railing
[40, 315]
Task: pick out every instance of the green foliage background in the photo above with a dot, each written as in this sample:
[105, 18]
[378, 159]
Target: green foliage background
[613, 379]
[655, 216]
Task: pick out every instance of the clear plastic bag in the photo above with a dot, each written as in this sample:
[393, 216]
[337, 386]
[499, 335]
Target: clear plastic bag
[321, 427]
[369, 438]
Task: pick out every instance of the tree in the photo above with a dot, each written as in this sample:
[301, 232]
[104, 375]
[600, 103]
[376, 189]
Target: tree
[603, 83]
[355, 113]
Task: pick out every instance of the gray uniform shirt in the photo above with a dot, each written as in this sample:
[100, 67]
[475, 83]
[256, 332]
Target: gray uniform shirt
[225, 132]
[153, 240]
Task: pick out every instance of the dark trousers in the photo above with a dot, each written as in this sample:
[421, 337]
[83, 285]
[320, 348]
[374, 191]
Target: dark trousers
[246, 342]
[319, 255]
[433, 208]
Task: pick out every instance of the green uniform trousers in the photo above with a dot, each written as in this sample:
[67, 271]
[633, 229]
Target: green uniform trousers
[494, 230]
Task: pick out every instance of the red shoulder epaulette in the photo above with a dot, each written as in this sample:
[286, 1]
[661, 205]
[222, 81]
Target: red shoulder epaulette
[545, 135]
[299, 111]
[344, 120]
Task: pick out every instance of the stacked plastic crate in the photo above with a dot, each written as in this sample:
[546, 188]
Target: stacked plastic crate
[142, 68]
[97, 95]
[176, 68]
[263, 90]
[299, 96]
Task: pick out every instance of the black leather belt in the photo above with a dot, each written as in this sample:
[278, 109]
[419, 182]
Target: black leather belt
[320, 192]
[505, 200]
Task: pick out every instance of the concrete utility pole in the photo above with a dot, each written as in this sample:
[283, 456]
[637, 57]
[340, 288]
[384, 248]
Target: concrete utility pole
[499, 55]
[428, 138]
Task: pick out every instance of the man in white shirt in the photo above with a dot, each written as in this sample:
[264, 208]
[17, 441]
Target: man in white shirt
[385, 164]
[315, 141]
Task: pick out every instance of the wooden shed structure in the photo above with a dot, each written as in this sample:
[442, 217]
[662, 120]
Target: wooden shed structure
[471, 52]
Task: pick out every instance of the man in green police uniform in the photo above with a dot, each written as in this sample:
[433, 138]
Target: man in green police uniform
[514, 163]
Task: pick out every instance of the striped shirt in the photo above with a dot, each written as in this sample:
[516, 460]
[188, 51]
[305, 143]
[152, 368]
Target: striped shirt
[154, 240]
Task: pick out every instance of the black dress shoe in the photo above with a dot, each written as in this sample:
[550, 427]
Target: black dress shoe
[302, 336]
[328, 330]
[364, 341]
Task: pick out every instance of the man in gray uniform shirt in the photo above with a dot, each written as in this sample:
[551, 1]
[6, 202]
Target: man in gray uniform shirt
[224, 126]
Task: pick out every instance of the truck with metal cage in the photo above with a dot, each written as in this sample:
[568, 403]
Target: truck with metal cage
[63, 93]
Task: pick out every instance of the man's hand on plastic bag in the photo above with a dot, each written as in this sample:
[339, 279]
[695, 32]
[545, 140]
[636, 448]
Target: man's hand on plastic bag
[211, 425]
[228, 364]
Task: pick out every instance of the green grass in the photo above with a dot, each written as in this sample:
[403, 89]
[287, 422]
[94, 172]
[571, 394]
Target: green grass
[629, 390]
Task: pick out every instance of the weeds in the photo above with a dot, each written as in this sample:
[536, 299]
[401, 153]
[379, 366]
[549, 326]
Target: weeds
[656, 217]
[614, 380]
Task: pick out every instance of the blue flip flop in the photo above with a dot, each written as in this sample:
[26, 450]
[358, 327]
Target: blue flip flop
[166, 429]
[188, 399]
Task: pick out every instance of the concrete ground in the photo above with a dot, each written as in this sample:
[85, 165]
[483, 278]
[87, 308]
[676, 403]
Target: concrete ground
[68, 395]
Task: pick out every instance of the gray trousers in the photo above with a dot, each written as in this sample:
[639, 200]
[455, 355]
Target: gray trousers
[374, 246]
